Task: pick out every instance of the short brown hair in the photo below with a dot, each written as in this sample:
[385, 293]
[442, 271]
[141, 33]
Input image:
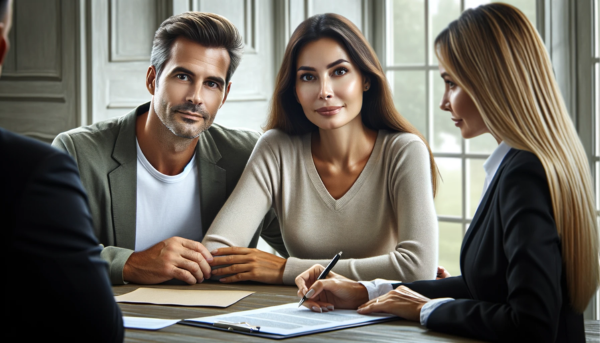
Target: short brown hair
[207, 29]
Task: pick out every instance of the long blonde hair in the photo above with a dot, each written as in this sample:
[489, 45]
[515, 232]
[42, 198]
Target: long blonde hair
[496, 55]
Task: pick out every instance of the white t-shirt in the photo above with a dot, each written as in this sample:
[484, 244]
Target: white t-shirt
[167, 205]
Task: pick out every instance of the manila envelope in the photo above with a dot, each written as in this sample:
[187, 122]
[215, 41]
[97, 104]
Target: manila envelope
[183, 297]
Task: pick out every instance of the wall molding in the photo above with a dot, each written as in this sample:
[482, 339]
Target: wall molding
[31, 77]
[250, 27]
[33, 98]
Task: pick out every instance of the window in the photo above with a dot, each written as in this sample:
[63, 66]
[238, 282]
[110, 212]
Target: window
[596, 100]
[411, 68]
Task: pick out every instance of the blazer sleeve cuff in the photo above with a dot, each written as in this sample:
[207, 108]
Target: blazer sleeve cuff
[116, 258]
[430, 306]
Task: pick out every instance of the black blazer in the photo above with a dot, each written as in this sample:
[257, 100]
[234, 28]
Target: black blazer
[512, 287]
[55, 281]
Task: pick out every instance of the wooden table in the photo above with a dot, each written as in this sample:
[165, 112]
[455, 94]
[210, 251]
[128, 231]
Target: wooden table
[269, 295]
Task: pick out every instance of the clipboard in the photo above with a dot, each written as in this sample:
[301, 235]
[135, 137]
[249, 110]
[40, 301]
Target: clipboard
[244, 331]
[247, 328]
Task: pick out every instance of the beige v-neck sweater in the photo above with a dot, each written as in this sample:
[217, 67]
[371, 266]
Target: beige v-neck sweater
[385, 224]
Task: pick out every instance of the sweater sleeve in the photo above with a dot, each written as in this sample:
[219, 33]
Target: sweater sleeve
[237, 221]
[416, 252]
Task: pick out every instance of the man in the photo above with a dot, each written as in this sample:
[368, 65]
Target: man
[158, 176]
[56, 283]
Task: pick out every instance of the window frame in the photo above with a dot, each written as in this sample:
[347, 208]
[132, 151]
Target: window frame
[383, 48]
[585, 103]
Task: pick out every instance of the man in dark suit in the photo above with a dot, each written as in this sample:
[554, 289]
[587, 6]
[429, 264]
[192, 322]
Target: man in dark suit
[57, 284]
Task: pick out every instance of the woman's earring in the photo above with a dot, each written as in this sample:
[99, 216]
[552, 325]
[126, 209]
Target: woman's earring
[366, 87]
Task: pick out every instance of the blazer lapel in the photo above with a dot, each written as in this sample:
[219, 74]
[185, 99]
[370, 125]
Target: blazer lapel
[213, 181]
[482, 209]
[123, 183]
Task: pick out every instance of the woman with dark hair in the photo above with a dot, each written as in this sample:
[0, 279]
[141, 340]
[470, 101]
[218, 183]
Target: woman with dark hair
[529, 261]
[342, 168]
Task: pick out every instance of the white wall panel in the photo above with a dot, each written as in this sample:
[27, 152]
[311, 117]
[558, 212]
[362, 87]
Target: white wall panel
[302, 9]
[130, 23]
[121, 33]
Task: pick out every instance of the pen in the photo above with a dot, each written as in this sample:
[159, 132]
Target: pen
[324, 273]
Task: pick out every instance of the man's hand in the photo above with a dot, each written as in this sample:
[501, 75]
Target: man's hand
[248, 265]
[333, 292]
[174, 258]
[402, 301]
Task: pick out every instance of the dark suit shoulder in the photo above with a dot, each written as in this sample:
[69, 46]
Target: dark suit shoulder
[21, 155]
[523, 181]
[521, 161]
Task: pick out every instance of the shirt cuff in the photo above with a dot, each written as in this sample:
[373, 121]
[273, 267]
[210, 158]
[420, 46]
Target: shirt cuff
[378, 287]
[430, 306]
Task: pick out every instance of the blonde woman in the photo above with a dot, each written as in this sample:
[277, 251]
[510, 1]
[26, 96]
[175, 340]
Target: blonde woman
[529, 260]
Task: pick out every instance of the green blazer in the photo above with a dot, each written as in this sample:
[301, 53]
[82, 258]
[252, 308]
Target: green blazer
[106, 156]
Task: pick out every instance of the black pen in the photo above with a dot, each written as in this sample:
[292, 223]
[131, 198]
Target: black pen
[324, 273]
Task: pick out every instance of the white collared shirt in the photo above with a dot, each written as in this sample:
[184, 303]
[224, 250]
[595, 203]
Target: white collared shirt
[380, 287]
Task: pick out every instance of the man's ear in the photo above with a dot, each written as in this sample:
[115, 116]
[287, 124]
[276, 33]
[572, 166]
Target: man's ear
[226, 94]
[151, 80]
[3, 43]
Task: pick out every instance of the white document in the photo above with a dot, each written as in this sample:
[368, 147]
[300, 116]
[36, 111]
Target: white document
[147, 323]
[288, 319]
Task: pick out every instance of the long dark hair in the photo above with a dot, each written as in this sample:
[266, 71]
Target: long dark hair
[378, 111]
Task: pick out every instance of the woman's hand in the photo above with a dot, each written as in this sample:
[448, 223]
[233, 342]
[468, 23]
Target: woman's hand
[442, 273]
[248, 265]
[401, 301]
[327, 294]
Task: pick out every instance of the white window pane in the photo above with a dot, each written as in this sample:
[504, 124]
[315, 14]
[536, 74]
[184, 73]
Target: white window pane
[409, 96]
[446, 136]
[448, 201]
[450, 242]
[597, 116]
[475, 179]
[475, 3]
[441, 13]
[528, 7]
[408, 32]
[483, 144]
[597, 24]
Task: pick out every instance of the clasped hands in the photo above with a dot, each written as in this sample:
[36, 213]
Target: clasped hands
[189, 261]
[337, 291]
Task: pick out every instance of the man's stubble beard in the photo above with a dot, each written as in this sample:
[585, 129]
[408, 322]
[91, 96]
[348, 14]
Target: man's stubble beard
[167, 117]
